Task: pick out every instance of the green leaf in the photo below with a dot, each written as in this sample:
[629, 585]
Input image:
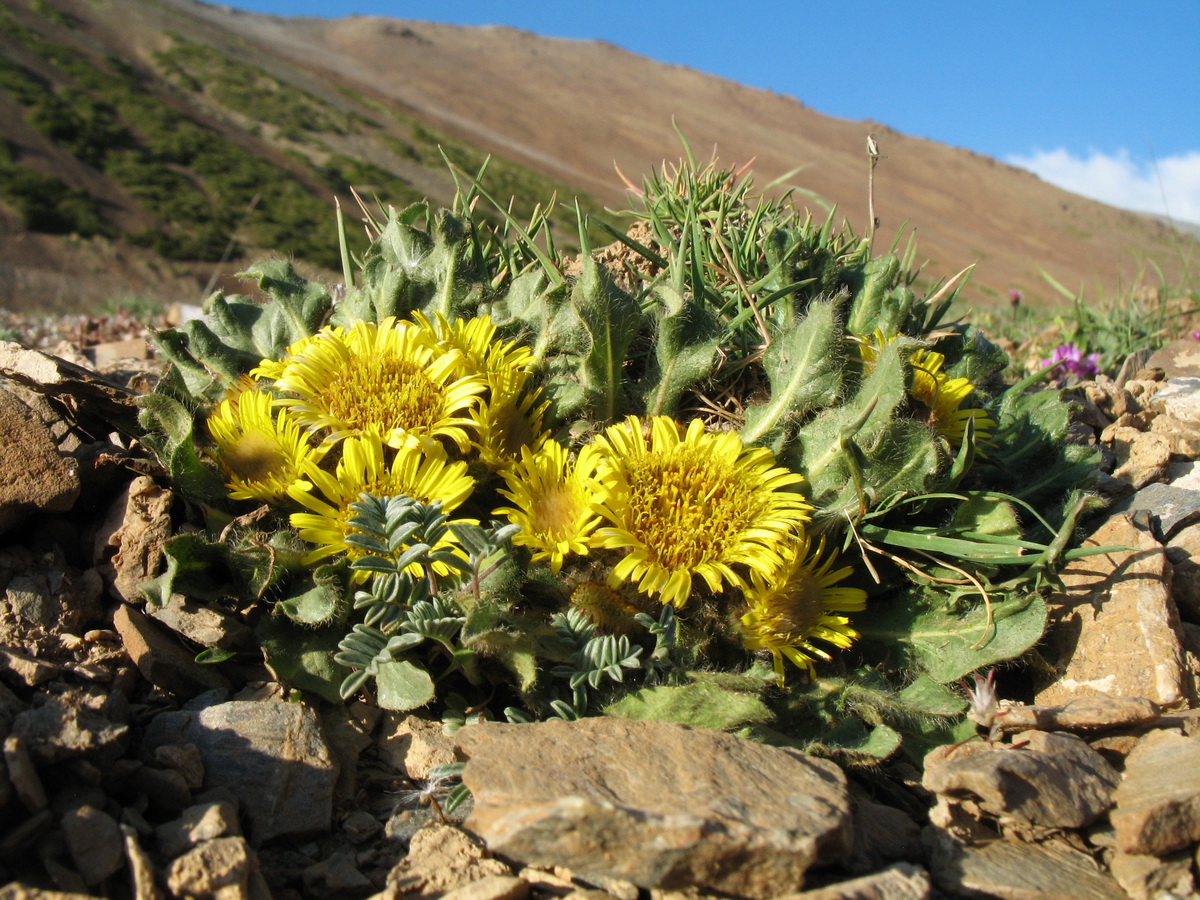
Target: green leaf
[403, 685]
[879, 277]
[685, 350]
[852, 739]
[317, 601]
[610, 319]
[170, 428]
[195, 567]
[804, 365]
[948, 644]
[700, 703]
[928, 697]
[303, 657]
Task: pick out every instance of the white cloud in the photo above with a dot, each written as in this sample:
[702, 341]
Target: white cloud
[1169, 186]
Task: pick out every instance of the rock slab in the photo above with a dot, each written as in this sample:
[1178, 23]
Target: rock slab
[272, 756]
[661, 805]
[1055, 779]
[1158, 802]
[1115, 629]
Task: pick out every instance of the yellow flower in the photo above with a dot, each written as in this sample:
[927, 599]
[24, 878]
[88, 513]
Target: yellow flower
[475, 340]
[424, 476]
[552, 499]
[939, 396]
[686, 504]
[800, 604]
[942, 396]
[262, 455]
[510, 419]
[388, 379]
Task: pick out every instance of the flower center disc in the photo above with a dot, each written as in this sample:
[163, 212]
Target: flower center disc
[386, 391]
[685, 507]
[254, 457]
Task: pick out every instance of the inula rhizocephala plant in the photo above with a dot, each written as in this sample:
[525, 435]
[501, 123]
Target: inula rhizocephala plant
[734, 470]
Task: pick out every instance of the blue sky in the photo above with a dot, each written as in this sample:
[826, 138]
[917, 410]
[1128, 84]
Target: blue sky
[1100, 97]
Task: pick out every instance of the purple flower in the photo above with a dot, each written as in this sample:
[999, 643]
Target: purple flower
[1071, 358]
[1196, 335]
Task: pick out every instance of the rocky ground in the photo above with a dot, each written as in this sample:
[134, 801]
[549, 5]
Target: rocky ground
[131, 770]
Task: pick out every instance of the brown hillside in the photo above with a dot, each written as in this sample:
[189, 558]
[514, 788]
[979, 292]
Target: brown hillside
[574, 109]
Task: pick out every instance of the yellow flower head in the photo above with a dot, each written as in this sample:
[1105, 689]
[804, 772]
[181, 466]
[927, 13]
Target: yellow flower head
[262, 454]
[389, 379]
[942, 396]
[510, 419]
[691, 503]
[800, 604]
[475, 341]
[552, 497]
[424, 476]
[939, 396]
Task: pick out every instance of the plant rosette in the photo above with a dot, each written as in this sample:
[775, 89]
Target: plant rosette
[753, 481]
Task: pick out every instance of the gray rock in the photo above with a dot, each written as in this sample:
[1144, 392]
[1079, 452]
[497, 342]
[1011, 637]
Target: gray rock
[24, 776]
[223, 867]
[1179, 395]
[33, 474]
[28, 596]
[882, 835]
[494, 887]
[900, 882]
[1114, 630]
[198, 823]
[658, 804]
[1158, 801]
[441, 858]
[21, 668]
[1171, 508]
[64, 727]
[161, 659]
[1015, 870]
[336, 876]
[206, 626]
[1150, 878]
[1086, 714]
[1055, 779]
[272, 756]
[95, 842]
[141, 869]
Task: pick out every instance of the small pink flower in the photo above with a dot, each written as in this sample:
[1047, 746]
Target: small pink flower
[1071, 359]
[1196, 335]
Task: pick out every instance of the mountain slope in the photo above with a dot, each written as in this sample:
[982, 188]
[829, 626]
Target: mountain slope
[302, 109]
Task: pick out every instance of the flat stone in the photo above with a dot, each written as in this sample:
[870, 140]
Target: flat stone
[1114, 630]
[413, 745]
[882, 835]
[198, 823]
[899, 882]
[1015, 870]
[95, 843]
[271, 756]
[34, 475]
[1085, 714]
[129, 543]
[1143, 457]
[24, 776]
[1179, 396]
[212, 869]
[24, 669]
[1150, 878]
[1183, 437]
[161, 659]
[141, 868]
[1158, 803]
[64, 727]
[440, 859]
[203, 624]
[1172, 508]
[492, 887]
[659, 804]
[335, 876]
[1183, 552]
[1054, 780]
